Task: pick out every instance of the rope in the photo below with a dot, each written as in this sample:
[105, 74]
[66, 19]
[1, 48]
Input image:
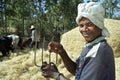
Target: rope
[41, 53]
[35, 55]
[42, 48]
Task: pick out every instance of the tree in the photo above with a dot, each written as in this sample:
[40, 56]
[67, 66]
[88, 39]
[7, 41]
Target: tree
[111, 8]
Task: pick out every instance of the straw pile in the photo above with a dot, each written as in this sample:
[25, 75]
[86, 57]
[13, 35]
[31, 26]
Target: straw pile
[22, 67]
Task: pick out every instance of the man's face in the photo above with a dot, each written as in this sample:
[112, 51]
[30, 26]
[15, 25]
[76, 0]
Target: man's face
[88, 30]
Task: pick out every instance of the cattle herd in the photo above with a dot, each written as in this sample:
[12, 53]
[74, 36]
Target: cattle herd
[11, 42]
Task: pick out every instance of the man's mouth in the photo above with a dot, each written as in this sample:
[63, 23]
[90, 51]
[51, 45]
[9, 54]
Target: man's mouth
[85, 34]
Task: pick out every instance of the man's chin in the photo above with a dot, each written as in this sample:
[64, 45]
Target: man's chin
[88, 39]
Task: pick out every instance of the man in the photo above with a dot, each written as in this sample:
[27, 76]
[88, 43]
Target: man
[96, 61]
[34, 36]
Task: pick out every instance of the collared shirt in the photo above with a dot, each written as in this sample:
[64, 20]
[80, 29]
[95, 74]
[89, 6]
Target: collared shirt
[96, 62]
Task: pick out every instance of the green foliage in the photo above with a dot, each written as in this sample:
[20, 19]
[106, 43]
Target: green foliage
[111, 8]
[46, 14]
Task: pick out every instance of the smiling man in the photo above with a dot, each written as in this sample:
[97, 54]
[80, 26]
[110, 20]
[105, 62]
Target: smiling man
[96, 61]
[88, 30]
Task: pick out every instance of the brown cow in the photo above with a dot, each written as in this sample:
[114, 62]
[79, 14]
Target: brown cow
[26, 42]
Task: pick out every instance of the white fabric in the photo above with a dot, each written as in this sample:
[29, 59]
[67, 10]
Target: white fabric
[93, 51]
[95, 13]
[32, 26]
[35, 36]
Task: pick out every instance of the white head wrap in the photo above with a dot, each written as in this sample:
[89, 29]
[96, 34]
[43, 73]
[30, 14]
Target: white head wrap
[95, 13]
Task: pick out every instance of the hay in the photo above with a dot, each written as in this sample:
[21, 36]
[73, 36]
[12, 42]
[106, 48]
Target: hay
[22, 67]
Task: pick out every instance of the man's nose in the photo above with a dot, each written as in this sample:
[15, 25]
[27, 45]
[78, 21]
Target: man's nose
[84, 28]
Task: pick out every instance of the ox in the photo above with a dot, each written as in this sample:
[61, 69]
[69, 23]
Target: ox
[19, 42]
[6, 45]
[26, 42]
[16, 41]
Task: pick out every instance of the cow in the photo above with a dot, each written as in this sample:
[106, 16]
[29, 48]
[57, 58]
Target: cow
[16, 41]
[19, 42]
[6, 45]
[26, 42]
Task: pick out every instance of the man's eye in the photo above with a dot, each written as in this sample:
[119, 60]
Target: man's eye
[81, 26]
[90, 24]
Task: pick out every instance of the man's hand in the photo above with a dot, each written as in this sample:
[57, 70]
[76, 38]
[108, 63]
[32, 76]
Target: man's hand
[49, 70]
[55, 47]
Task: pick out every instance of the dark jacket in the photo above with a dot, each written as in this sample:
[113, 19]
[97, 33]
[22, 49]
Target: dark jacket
[96, 63]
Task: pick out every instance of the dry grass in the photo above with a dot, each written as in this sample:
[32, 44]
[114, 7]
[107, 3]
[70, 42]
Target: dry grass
[22, 67]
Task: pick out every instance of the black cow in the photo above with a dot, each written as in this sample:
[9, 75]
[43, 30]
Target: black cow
[6, 45]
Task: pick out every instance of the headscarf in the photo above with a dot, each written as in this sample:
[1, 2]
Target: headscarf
[95, 13]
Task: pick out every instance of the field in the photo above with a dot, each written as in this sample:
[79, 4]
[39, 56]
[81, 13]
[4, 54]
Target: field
[22, 66]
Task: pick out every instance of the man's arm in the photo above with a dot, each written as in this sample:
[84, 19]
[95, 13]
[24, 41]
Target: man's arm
[58, 49]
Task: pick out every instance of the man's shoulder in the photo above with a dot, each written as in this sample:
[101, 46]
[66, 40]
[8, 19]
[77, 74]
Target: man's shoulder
[105, 47]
